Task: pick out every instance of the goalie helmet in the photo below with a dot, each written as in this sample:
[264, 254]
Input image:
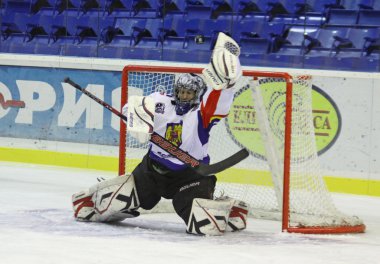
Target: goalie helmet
[192, 82]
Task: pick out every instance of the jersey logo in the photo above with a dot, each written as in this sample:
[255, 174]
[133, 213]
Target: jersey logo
[174, 133]
[160, 108]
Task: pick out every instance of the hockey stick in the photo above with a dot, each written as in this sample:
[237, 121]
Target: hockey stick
[196, 165]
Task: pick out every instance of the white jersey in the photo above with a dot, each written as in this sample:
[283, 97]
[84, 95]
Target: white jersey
[190, 131]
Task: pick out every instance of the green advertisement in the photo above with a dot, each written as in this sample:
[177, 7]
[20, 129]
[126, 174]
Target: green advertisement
[243, 120]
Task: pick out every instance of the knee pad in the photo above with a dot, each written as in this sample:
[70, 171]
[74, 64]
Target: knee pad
[108, 201]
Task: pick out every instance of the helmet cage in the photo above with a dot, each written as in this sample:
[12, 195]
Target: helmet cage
[188, 81]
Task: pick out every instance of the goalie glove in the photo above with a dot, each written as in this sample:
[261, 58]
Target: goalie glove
[140, 115]
[224, 68]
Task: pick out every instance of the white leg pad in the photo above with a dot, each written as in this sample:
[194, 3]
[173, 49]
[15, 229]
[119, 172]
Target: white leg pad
[209, 217]
[108, 201]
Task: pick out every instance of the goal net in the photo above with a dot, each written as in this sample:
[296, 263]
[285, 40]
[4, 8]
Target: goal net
[271, 116]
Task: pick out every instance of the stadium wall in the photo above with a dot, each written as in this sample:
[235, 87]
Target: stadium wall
[60, 127]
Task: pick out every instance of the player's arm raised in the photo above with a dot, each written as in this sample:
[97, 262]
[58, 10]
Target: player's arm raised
[224, 68]
[221, 74]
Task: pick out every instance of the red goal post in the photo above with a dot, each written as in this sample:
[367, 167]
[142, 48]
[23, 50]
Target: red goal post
[287, 183]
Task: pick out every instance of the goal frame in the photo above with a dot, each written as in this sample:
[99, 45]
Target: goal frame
[287, 138]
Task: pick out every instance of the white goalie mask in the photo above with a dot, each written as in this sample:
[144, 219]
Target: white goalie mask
[192, 82]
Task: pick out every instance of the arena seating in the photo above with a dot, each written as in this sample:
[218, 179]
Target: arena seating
[323, 34]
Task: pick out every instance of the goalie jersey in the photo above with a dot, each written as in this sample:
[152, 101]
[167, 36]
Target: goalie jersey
[190, 131]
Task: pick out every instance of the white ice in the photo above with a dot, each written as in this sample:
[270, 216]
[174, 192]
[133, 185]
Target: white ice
[37, 226]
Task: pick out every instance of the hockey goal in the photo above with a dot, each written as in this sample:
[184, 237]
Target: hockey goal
[272, 117]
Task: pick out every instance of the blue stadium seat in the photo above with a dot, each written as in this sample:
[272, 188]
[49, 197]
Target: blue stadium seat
[243, 8]
[210, 27]
[122, 8]
[375, 5]
[369, 18]
[276, 9]
[254, 52]
[8, 25]
[89, 5]
[43, 6]
[27, 25]
[58, 29]
[145, 8]
[149, 30]
[126, 24]
[135, 38]
[132, 8]
[293, 40]
[359, 36]
[40, 44]
[107, 29]
[318, 7]
[2, 8]
[176, 29]
[342, 17]
[256, 27]
[171, 7]
[115, 48]
[360, 4]
[39, 25]
[134, 29]
[66, 6]
[198, 9]
[75, 29]
[177, 26]
[323, 40]
[254, 46]
[190, 51]
[350, 5]
[83, 27]
[222, 8]
[77, 7]
[286, 6]
[17, 6]
[356, 42]
[371, 46]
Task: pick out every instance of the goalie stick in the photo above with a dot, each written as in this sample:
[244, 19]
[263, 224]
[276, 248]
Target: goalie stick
[196, 165]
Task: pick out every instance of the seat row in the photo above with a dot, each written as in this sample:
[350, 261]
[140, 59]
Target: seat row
[191, 8]
[255, 36]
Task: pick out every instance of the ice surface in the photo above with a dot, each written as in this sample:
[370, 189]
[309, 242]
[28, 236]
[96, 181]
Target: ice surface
[37, 226]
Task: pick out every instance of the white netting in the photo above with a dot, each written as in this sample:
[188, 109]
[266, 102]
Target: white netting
[256, 121]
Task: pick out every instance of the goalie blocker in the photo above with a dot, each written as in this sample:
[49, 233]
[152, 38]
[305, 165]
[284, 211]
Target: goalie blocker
[140, 115]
